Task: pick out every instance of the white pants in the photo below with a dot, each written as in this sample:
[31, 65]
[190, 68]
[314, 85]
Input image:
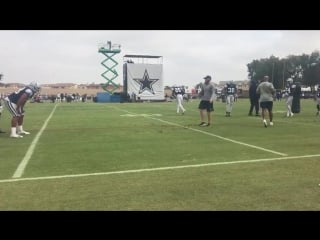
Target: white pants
[229, 102]
[179, 103]
[289, 105]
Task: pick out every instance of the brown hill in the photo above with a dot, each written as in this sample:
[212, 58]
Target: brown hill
[65, 88]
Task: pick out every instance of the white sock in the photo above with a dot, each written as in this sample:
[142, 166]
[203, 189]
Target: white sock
[13, 131]
[20, 128]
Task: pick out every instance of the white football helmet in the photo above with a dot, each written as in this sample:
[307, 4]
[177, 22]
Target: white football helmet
[34, 86]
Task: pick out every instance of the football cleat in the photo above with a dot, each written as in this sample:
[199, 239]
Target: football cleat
[16, 136]
[23, 132]
[265, 123]
[202, 124]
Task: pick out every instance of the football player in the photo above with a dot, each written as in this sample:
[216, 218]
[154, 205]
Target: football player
[15, 103]
[290, 88]
[230, 90]
[178, 92]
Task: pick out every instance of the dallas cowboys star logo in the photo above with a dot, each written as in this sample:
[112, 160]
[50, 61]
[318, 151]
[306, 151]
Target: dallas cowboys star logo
[146, 82]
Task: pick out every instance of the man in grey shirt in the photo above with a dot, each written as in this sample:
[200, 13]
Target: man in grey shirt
[206, 104]
[266, 91]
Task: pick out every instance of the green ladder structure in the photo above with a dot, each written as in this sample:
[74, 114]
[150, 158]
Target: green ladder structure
[109, 52]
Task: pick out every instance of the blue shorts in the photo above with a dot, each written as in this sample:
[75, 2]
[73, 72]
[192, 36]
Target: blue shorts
[206, 105]
[267, 105]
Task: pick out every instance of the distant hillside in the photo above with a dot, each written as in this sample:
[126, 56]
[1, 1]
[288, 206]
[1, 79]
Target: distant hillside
[53, 89]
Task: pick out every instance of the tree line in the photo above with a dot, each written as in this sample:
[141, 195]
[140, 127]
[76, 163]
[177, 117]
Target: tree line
[301, 68]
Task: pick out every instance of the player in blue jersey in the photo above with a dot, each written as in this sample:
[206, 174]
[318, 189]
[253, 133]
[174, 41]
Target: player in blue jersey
[178, 92]
[230, 91]
[15, 103]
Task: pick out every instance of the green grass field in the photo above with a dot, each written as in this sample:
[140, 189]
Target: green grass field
[143, 156]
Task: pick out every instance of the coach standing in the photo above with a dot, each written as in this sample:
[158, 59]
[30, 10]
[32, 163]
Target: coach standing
[206, 104]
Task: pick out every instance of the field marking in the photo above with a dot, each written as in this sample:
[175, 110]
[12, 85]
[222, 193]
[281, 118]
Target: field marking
[211, 134]
[157, 169]
[141, 115]
[23, 164]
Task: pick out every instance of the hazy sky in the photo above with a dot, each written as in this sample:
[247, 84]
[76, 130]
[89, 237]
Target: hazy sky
[72, 56]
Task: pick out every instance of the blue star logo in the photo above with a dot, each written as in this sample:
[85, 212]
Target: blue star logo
[146, 82]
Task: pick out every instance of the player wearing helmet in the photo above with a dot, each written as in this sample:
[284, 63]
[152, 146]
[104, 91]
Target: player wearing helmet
[15, 103]
[178, 92]
[290, 88]
[230, 90]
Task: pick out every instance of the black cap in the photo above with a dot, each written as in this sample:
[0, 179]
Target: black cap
[207, 77]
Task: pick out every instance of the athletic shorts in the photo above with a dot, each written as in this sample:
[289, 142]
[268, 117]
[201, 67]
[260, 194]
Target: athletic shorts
[267, 105]
[12, 107]
[206, 105]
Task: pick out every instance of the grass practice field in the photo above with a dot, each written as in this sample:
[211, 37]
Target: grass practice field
[144, 156]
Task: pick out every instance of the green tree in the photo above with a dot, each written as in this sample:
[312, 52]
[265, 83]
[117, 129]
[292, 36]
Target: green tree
[311, 73]
[271, 67]
[301, 68]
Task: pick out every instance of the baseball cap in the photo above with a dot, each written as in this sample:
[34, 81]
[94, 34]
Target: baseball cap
[207, 77]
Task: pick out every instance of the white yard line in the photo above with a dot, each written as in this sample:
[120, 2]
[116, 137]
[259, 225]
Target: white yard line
[211, 134]
[23, 164]
[158, 169]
